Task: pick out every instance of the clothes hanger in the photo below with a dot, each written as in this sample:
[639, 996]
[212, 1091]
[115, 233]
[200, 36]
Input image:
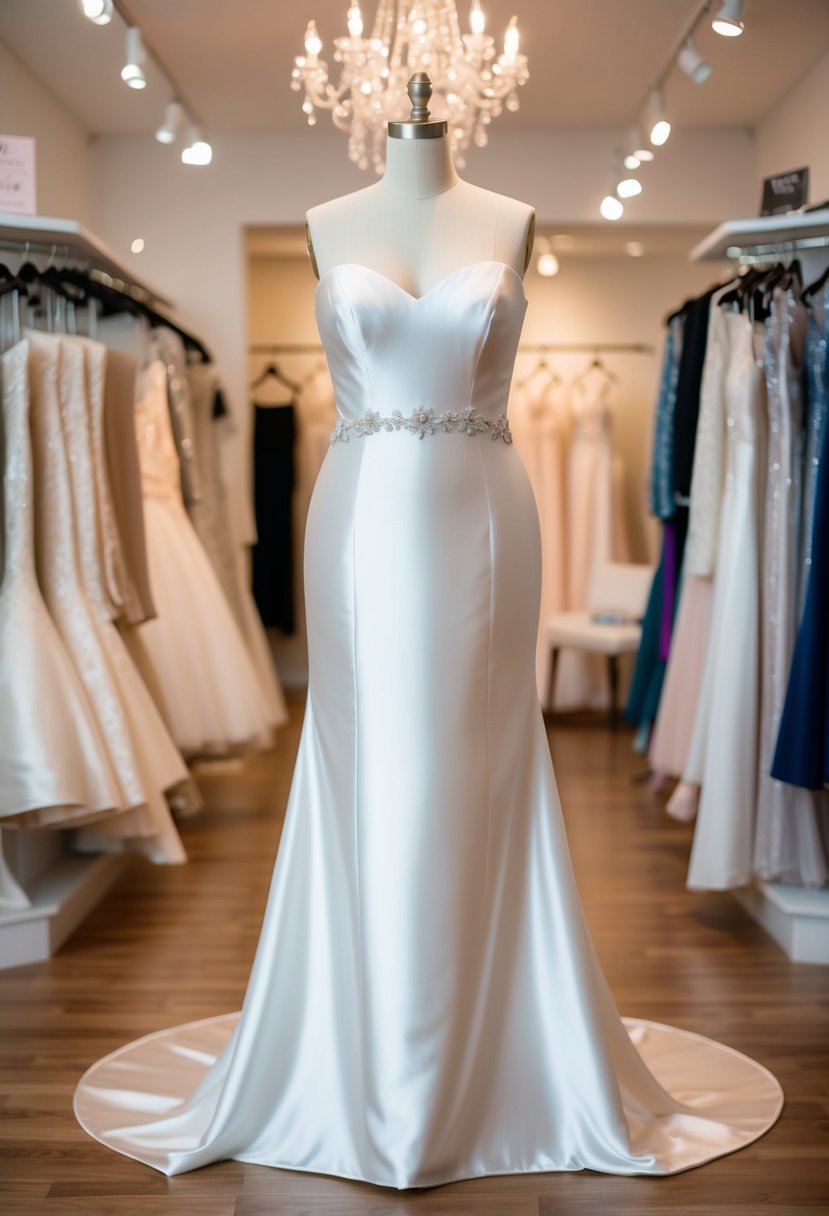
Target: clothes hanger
[273, 370]
[809, 292]
[542, 364]
[599, 365]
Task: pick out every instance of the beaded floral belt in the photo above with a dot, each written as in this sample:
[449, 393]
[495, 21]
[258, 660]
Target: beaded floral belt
[423, 422]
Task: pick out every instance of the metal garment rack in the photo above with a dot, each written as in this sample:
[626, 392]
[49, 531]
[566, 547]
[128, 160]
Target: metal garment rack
[585, 348]
[44, 236]
[525, 348]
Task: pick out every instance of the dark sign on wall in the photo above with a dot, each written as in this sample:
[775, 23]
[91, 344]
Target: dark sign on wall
[785, 192]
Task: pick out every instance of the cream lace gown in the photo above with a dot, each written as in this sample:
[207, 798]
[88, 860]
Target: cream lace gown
[425, 1003]
[193, 654]
[53, 755]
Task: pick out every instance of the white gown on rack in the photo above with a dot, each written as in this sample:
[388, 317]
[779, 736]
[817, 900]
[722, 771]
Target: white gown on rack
[53, 757]
[722, 757]
[193, 654]
[425, 1003]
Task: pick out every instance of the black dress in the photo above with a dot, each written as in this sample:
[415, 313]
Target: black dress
[274, 434]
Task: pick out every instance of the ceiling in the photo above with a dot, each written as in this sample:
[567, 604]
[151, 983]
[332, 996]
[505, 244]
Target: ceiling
[591, 61]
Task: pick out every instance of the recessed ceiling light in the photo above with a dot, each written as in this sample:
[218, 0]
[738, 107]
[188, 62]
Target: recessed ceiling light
[137, 245]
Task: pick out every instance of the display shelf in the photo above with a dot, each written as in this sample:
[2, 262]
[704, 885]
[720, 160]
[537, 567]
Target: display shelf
[61, 896]
[768, 231]
[44, 232]
[797, 919]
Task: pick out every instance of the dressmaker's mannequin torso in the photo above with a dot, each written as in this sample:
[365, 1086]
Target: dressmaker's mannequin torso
[420, 222]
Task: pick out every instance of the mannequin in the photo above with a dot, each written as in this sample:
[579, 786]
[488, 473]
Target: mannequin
[420, 222]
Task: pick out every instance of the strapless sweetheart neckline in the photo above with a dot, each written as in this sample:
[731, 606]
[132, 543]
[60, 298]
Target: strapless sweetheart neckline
[440, 283]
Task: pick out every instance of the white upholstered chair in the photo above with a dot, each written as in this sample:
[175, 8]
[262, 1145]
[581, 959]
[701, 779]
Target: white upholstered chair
[617, 592]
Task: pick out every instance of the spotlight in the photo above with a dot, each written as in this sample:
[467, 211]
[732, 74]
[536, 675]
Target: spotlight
[631, 161]
[728, 20]
[197, 151]
[638, 146]
[132, 73]
[167, 132]
[99, 12]
[658, 126]
[137, 246]
[611, 208]
[693, 64]
[629, 187]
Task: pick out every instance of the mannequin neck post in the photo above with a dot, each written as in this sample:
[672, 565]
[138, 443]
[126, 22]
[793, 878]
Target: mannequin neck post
[418, 168]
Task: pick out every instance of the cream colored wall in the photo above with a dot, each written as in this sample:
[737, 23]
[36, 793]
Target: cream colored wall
[796, 133]
[619, 299]
[65, 172]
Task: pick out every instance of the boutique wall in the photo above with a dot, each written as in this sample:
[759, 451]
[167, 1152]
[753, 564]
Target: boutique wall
[795, 132]
[65, 172]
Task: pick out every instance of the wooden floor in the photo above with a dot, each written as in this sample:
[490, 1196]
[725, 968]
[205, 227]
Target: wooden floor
[170, 945]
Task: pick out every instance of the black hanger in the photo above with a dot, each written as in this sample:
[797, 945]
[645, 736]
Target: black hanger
[273, 370]
[115, 301]
[814, 288]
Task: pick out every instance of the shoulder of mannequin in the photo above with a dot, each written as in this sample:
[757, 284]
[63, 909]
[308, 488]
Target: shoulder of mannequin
[332, 210]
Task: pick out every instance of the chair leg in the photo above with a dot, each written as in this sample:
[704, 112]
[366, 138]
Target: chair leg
[613, 671]
[551, 687]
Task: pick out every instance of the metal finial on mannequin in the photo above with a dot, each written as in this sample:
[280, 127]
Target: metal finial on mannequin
[419, 125]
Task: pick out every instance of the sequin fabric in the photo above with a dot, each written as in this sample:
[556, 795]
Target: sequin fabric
[786, 826]
[662, 500]
[817, 409]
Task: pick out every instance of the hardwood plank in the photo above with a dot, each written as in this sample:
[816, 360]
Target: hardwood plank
[169, 945]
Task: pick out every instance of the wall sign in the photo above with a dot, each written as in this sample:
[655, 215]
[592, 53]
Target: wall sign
[17, 174]
[785, 192]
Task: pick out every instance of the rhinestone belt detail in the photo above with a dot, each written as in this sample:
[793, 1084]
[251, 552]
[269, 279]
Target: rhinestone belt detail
[422, 422]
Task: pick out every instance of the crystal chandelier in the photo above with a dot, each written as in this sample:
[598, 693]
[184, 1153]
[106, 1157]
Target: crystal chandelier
[472, 81]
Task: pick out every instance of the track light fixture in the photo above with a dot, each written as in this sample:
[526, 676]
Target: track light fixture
[197, 150]
[611, 208]
[693, 64]
[658, 127]
[169, 129]
[629, 187]
[729, 20]
[637, 147]
[132, 73]
[99, 12]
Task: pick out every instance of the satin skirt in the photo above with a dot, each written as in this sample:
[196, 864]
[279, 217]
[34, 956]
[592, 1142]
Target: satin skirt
[425, 1004]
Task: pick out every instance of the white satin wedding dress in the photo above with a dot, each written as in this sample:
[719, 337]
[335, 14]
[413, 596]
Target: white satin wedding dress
[425, 1004]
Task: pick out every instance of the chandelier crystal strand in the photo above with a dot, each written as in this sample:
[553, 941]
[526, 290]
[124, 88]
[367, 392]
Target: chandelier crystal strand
[472, 81]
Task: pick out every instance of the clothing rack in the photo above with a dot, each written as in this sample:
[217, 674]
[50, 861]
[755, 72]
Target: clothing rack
[527, 348]
[285, 348]
[50, 237]
[796, 917]
[585, 348]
